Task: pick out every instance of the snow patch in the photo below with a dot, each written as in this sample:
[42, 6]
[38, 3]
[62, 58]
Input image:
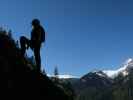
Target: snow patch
[63, 76]
[127, 65]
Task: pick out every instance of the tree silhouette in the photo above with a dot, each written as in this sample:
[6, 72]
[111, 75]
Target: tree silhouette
[56, 75]
[56, 72]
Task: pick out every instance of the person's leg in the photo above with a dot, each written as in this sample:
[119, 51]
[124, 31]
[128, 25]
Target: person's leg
[23, 42]
[37, 58]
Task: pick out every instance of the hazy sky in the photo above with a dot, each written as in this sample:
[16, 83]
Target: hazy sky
[82, 35]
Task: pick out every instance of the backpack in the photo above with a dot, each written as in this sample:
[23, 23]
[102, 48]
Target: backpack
[42, 35]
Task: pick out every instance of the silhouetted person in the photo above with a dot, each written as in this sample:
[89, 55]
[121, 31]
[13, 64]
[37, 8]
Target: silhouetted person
[37, 37]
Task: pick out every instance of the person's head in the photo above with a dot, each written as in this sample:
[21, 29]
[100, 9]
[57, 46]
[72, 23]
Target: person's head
[35, 22]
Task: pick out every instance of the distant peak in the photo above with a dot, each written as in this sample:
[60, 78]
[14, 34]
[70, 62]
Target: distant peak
[127, 65]
[128, 61]
[100, 73]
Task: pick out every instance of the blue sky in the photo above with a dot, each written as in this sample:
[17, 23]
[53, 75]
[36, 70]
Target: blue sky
[82, 35]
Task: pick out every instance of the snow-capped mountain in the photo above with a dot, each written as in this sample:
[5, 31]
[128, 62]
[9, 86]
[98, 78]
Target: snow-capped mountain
[100, 73]
[124, 69]
[99, 85]
[98, 77]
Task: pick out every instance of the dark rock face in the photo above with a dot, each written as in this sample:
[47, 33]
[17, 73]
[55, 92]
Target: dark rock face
[18, 77]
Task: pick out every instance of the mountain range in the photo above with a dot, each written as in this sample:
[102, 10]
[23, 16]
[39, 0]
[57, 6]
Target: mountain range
[124, 68]
[100, 85]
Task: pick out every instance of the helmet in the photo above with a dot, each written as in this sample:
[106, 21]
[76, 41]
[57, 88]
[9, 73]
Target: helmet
[35, 22]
